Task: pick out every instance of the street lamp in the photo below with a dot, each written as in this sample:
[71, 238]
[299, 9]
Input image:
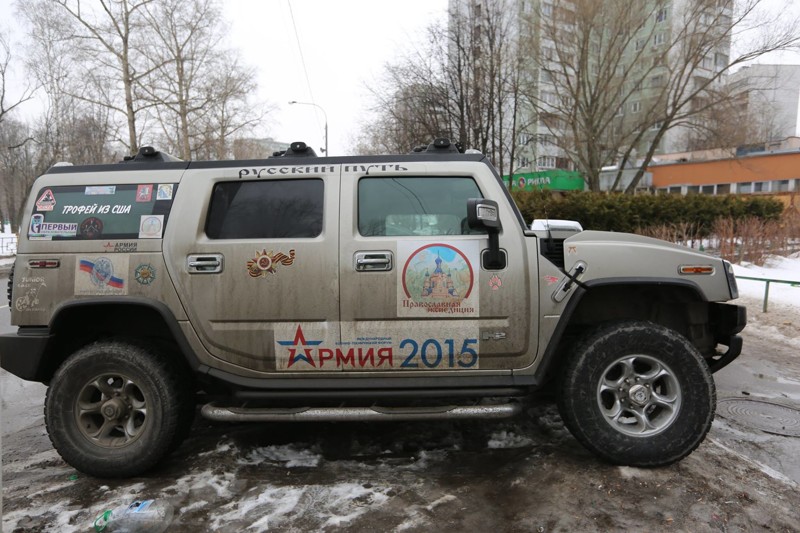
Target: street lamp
[326, 119]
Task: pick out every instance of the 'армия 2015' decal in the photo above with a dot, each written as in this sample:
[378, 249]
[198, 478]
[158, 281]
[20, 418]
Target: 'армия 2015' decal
[316, 347]
[438, 279]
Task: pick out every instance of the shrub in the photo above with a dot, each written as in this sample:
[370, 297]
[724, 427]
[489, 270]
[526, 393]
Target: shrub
[635, 213]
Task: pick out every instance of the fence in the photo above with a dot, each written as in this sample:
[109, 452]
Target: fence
[766, 288]
[8, 245]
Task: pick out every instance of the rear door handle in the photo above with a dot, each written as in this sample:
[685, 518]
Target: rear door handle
[380, 261]
[204, 264]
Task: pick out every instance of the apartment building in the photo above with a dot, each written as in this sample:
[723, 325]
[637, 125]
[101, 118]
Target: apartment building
[773, 99]
[644, 74]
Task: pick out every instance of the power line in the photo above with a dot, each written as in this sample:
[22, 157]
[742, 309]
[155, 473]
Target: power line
[302, 59]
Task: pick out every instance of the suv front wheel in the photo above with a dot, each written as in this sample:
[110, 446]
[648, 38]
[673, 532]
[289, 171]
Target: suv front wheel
[114, 409]
[637, 393]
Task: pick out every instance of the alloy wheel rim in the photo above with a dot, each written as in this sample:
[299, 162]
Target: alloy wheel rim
[638, 395]
[111, 410]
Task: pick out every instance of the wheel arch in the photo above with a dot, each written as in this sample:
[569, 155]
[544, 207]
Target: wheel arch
[139, 320]
[654, 299]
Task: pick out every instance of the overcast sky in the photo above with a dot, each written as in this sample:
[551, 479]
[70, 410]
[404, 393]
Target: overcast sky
[344, 45]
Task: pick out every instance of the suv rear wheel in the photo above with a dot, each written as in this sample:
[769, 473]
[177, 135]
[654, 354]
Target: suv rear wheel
[114, 409]
[637, 393]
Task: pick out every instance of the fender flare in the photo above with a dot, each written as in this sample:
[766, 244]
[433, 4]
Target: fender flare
[128, 301]
[549, 356]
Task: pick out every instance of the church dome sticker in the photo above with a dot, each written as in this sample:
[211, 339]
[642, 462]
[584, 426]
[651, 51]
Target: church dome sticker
[438, 279]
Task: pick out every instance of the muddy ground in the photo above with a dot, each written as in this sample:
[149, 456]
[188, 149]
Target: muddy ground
[524, 474]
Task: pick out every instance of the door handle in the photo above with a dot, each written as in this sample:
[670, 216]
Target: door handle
[204, 264]
[373, 261]
[380, 261]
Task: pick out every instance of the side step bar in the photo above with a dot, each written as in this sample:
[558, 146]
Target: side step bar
[350, 414]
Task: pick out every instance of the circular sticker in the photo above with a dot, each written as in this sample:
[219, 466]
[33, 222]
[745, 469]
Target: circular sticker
[437, 272]
[91, 228]
[264, 262]
[145, 274]
[151, 226]
[102, 271]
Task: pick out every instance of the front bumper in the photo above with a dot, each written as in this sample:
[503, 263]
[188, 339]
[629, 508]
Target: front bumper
[726, 320]
[23, 353]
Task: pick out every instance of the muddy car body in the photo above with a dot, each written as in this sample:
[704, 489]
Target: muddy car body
[349, 288]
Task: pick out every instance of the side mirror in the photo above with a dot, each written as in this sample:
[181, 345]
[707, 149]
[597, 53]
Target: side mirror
[484, 214]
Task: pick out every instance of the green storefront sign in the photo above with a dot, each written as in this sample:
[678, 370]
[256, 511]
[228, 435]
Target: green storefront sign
[554, 180]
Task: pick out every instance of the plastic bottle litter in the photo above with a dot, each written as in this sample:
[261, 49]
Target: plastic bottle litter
[141, 516]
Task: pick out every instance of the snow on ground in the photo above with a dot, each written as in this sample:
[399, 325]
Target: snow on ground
[508, 439]
[337, 505]
[291, 456]
[220, 496]
[776, 267]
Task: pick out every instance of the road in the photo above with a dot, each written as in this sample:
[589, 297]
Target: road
[525, 474]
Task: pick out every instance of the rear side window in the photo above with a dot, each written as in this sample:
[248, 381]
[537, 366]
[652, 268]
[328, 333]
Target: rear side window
[415, 206]
[99, 212]
[270, 209]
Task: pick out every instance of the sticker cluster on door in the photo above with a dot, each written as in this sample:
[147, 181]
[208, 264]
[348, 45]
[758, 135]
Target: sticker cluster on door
[129, 211]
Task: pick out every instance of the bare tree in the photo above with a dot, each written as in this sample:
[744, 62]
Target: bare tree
[185, 37]
[13, 139]
[104, 34]
[463, 84]
[232, 111]
[412, 101]
[70, 128]
[20, 164]
[625, 73]
[200, 91]
[7, 103]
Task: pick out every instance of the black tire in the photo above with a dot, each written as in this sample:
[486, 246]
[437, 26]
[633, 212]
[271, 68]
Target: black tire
[637, 394]
[114, 409]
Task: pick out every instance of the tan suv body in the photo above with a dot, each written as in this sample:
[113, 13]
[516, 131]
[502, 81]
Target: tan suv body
[381, 287]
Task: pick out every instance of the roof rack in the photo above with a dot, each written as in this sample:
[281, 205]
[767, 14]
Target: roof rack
[296, 149]
[440, 145]
[148, 154]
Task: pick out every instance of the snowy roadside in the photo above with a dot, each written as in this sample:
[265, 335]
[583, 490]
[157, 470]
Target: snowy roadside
[782, 319]
[776, 267]
[446, 476]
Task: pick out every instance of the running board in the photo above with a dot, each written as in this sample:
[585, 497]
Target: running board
[350, 414]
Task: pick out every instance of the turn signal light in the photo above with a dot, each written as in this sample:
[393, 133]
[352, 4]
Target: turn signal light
[696, 269]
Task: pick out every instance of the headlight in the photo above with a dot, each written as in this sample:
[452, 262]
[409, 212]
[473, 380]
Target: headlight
[731, 280]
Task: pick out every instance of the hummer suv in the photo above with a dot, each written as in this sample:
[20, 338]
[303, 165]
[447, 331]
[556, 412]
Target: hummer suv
[396, 287]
